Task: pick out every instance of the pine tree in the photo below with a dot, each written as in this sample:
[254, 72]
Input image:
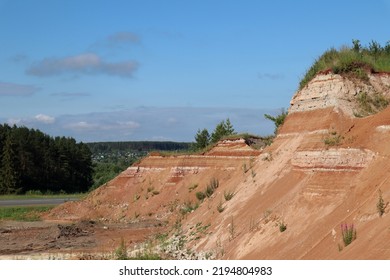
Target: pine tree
[224, 128]
[202, 139]
[229, 130]
[9, 178]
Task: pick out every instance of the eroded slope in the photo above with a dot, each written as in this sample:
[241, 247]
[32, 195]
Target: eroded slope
[324, 169]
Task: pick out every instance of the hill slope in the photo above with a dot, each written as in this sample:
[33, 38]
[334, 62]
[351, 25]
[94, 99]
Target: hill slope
[324, 169]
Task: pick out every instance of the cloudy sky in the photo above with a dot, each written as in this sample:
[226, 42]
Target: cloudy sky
[160, 70]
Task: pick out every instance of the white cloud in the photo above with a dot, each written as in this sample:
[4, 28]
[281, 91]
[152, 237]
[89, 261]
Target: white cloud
[11, 89]
[124, 37]
[18, 58]
[82, 125]
[44, 119]
[270, 76]
[13, 121]
[149, 123]
[70, 94]
[172, 121]
[128, 124]
[102, 125]
[86, 63]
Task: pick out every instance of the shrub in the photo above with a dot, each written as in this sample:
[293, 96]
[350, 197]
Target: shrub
[348, 233]
[200, 195]
[333, 140]
[282, 226]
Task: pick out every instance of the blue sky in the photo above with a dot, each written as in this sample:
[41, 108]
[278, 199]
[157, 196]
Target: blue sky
[161, 70]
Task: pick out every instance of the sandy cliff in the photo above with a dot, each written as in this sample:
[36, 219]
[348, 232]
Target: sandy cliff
[324, 169]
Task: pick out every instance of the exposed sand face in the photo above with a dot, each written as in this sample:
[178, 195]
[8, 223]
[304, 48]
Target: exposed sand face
[324, 169]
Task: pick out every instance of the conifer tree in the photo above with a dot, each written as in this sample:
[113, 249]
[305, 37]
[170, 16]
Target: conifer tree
[202, 139]
[224, 128]
[9, 178]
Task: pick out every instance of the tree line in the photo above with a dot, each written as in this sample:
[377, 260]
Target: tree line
[111, 158]
[203, 137]
[104, 147]
[33, 161]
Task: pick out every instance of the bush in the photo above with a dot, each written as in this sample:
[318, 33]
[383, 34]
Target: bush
[282, 226]
[200, 196]
[333, 140]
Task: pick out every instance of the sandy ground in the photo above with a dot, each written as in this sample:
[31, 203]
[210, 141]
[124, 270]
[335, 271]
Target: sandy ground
[79, 240]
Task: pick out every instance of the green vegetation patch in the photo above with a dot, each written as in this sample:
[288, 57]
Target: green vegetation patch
[33, 161]
[39, 196]
[334, 139]
[348, 233]
[370, 104]
[25, 213]
[277, 120]
[355, 61]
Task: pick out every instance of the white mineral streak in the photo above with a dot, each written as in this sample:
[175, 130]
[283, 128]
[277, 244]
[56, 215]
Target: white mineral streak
[333, 159]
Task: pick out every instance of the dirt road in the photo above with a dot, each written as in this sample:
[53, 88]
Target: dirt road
[35, 202]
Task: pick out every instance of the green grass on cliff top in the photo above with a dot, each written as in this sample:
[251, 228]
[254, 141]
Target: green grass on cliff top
[357, 61]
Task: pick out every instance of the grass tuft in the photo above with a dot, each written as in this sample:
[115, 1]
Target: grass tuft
[228, 195]
[349, 234]
[380, 206]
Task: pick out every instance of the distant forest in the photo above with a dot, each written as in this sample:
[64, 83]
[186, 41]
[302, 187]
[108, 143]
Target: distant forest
[33, 161]
[144, 146]
[111, 158]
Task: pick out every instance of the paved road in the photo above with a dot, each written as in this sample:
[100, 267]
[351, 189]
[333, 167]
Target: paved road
[35, 202]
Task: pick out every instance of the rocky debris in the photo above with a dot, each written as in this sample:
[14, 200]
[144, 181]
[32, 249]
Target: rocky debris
[75, 230]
